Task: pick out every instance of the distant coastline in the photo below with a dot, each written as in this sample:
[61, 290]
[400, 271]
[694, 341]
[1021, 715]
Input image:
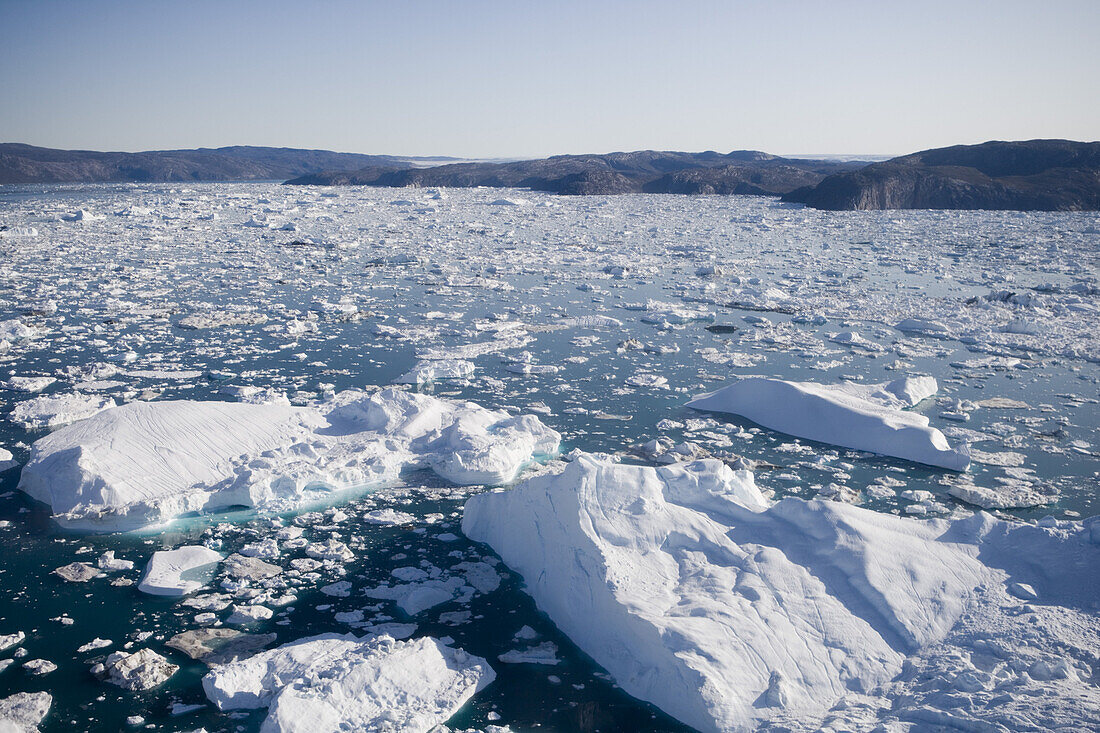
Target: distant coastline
[1042, 175]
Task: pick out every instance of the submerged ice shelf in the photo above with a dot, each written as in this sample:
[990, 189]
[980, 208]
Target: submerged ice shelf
[727, 611]
[148, 462]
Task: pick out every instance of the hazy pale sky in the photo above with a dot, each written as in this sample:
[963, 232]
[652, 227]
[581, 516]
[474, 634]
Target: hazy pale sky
[520, 78]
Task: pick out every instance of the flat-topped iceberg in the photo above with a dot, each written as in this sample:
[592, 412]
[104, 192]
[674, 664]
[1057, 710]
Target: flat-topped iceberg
[51, 411]
[869, 417]
[332, 683]
[148, 462]
[180, 571]
[426, 372]
[725, 611]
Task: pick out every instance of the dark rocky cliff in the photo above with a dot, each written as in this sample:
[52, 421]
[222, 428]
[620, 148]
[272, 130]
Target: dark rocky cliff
[649, 171]
[1031, 175]
[28, 164]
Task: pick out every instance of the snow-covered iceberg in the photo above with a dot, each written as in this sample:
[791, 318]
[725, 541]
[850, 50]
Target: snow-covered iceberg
[24, 711]
[332, 683]
[180, 571]
[863, 417]
[147, 462]
[725, 611]
[51, 411]
[437, 371]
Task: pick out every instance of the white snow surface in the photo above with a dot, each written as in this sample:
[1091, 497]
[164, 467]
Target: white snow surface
[177, 572]
[24, 711]
[441, 370]
[727, 613]
[146, 463]
[862, 417]
[51, 411]
[7, 460]
[335, 683]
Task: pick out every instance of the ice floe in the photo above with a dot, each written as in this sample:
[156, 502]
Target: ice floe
[148, 462]
[23, 712]
[437, 371]
[138, 671]
[862, 417]
[332, 683]
[51, 411]
[180, 571]
[7, 460]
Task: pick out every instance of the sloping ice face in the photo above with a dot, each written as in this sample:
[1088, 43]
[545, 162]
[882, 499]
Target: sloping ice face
[700, 596]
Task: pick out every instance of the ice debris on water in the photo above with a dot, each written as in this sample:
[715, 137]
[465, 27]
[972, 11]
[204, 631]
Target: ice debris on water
[601, 315]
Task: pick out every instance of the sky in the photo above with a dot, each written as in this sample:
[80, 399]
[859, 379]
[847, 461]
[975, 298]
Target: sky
[520, 78]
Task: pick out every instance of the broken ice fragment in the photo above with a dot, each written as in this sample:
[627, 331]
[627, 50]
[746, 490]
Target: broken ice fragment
[180, 571]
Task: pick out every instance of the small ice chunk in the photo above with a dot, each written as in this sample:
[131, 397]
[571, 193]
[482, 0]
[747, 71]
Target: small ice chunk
[28, 384]
[922, 326]
[438, 370]
[329, 683]
[77, 572]
[51, 411]
[180, 571]
[140, 671]
[94, 644]
[39, 667]
[544, 653]
[219, 645]
[339, 589]
[7, 461]
[389, 517]
[108, 562]
[249, 568]
[9, 640]
[1023, 591]
[249, 614]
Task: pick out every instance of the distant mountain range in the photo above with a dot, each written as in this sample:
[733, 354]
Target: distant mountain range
[1049, 175]
[1031, 175]
[645, 171]
[28, 164]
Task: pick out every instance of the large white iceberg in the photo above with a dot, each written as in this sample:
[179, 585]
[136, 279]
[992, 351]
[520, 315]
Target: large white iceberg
[148, 462]
[332, 683]
[723, 611]
[863, 417]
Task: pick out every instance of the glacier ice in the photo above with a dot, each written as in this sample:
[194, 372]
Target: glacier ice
[148, 462]
[330, 683]
[180, 571]
[724, 610]
[862, 417]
